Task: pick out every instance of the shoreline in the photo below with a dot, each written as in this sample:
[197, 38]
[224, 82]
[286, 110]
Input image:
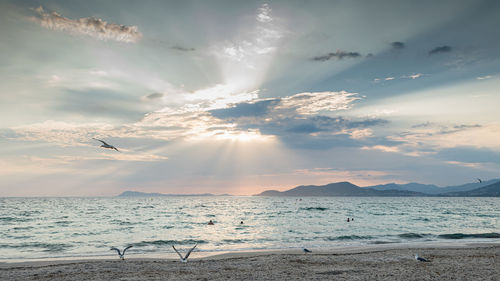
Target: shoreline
[223, 254]
[220, 255]
[466, 261]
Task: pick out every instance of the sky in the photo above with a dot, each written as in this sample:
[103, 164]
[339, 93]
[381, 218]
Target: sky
[244, 96]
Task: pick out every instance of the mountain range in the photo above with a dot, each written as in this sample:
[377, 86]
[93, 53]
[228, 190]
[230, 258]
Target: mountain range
[483, 189]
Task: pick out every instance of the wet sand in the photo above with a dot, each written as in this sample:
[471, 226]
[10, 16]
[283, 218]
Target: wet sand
[459, 262]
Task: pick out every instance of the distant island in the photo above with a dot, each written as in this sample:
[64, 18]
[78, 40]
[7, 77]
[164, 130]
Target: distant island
[489, 188]
[145, 194]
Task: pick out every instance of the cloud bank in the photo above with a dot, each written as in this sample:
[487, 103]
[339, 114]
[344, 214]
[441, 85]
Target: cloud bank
[93, 27]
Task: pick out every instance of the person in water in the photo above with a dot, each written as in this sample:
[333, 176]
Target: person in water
[241, 222]
[348, 220]
[210, 222]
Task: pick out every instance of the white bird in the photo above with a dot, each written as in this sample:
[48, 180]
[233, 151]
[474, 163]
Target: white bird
[105, 145]
[122, 255]
[184, 259]
[420, 258]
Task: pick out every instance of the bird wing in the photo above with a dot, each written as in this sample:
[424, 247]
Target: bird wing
[189, 252]
[126, 249]
[182, 258]
[113, 248]
[115, 148]
[103, 142]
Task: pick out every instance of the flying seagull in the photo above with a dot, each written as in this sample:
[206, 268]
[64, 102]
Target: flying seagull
[307, 250]
[420, 258]
[105, 145]
[184, 259]
[480, 181]
[122, 255]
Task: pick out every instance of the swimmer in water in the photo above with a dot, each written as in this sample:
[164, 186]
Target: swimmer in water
[210, 222]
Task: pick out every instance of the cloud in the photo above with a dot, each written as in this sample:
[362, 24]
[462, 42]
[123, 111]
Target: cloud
[442, 49]
[183, 49]
[296, 119]
[413, 76]
[94, 27]
[256, 44]
[485, 77]
[429, 138]
[338, 55]
[153, 96]
[398, 45]
[383, 148]
[264, 14]
[302, 104]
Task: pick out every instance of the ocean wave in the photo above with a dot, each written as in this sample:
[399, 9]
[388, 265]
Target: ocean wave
[348, 237]
[314, 209]
[169, 242]
[46, 247]
[14, 219]
[411, 235]
[376, 242]
[474, 235]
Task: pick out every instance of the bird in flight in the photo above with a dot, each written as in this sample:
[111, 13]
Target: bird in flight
[479, 180]
[184, 259]
[122, 255]
[421, 259]
[105, 145]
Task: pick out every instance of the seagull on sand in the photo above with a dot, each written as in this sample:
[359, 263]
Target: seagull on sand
[420, 258]
[185, 258]
[307, 250]
[122, 255]
[105, 145]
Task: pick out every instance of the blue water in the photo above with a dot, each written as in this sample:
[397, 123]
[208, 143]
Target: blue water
[38, 228]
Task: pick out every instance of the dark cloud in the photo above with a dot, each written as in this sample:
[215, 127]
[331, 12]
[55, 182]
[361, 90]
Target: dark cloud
[338, 55]
[442, 49]
[398, 45]
[293, 128]
[183, 49]
[259, 108]
[154, 96]
[458, 128]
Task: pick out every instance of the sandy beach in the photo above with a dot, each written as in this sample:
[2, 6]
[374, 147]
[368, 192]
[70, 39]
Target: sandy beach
[458, 262]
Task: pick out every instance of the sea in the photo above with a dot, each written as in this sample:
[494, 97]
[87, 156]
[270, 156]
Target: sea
[55, 228]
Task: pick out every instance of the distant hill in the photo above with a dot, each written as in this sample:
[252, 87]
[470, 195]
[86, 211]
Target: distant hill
[492, 190]
[432, 189]
[145, 194]
[337, 189]
[395, 190]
